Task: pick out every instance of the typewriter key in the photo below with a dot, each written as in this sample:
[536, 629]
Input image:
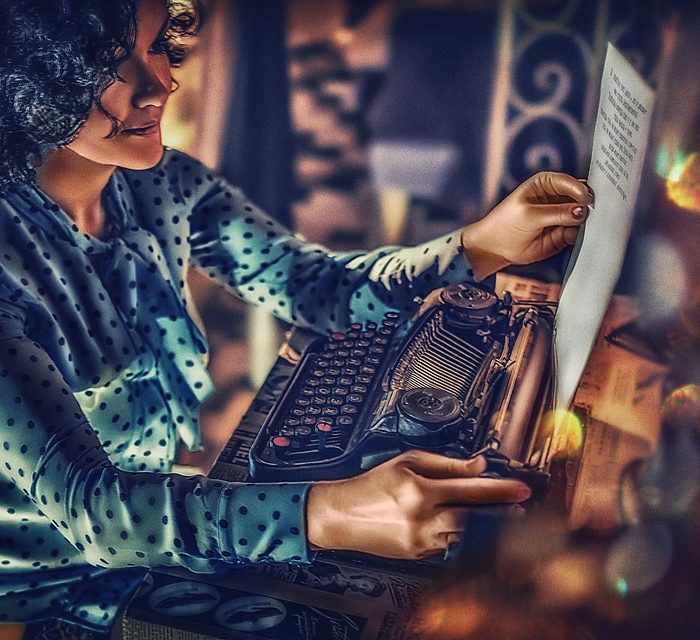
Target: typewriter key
[303, 432]
[345, 381]
[324, 391]
[349, 409]
[288, 430]
[323, 430]
[343, 353]
[337, 336]
[318, 400]
[368, 369]
[371, 325]
[303, 402]
[313, 411]
[345, 421]
[355, 397]
[354, 362]
[337, 362]
[308, 421]
[340, 391]
[280, 444]
[358, 353]
[358, 388]
[328, 380]
[329, 411]
[322, 363]
[363, 379]
[349, 371]
[297, 412]
[356, 326]
[373, 360]
[306, 392]
[334, 371]
[335, 401]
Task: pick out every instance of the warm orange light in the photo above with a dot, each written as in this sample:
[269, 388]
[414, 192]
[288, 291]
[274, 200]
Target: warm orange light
[566, 431]
[681, 408]
[683, 183]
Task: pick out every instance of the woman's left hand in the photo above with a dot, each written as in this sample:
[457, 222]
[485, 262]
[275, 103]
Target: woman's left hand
[540, 218]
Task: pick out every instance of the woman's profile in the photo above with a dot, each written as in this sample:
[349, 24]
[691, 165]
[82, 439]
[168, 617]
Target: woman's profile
[102, 368]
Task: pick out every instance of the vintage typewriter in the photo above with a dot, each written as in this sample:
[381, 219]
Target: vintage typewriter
[470, 376]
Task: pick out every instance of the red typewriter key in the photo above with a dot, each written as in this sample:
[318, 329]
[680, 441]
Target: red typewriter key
[323, 431]
[281, 444]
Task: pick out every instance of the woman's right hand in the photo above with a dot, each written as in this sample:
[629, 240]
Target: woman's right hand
[411, 506]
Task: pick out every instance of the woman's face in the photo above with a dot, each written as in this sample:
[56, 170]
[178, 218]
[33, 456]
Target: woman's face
[136, 99]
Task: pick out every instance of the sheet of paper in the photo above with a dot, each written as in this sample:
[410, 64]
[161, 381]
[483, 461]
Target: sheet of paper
[619, 145]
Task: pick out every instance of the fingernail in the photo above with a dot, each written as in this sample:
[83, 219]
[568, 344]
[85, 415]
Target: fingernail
[579, 212]
[523, 493]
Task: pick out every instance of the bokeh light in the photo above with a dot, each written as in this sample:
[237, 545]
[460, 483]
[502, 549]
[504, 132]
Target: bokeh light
[639, 559]
[662, 279]
[565, 429]
[683, 183]
[681, 408]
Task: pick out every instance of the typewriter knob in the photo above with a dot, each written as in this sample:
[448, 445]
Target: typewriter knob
[427, 416]
[469, 297]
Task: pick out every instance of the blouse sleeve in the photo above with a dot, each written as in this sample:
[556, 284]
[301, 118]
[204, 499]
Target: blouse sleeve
[237, 244]
[117, 518]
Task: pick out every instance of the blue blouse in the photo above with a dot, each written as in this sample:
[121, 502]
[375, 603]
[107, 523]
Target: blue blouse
[102, 370]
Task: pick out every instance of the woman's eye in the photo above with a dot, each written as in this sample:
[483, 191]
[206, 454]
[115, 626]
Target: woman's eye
[160, 46]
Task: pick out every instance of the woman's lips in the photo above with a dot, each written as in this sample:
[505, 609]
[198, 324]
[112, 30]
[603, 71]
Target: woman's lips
[148, 129]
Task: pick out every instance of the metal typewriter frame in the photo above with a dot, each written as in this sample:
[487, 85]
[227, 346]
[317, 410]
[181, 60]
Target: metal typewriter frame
[499, 413]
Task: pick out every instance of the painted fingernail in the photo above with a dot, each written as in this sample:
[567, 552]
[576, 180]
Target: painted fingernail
[579, 212]
[523, 493]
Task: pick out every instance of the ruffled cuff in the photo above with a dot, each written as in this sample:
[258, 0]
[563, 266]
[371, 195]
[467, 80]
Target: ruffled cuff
[265, 522]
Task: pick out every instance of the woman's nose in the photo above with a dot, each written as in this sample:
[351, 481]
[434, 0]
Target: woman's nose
[154, 86]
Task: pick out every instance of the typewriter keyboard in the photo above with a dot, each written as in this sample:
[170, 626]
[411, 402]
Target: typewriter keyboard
[322, 409]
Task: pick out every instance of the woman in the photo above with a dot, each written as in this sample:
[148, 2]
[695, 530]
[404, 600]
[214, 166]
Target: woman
[101, 366]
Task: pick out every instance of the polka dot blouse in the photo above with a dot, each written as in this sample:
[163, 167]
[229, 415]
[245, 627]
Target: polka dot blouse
[102, 371]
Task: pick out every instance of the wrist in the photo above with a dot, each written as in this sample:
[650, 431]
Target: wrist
[475, 247]
[321, 516]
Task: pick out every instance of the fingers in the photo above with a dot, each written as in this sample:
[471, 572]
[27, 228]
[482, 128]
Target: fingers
[565, 214]
[433, 465]
[467, 491]
[549, 184]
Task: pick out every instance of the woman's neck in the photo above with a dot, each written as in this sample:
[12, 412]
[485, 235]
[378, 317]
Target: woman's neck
[76, 184]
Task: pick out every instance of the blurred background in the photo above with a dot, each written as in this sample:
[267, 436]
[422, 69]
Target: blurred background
[367, 122]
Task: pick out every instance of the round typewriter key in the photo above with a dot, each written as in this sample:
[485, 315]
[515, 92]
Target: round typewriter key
[349, 371]
[373, 360]
[337, 336]
[385, 331]
[322, 363]
[376, 350]
[309, 421]
[297, 412]
[313, 411]
[363, 379]
[362, 344]
[328, 380]
[345, 421]
[334, 371]
[368, 369]
[348, 344]
[323, 431]
[356, 326]
[358, 388]
[381, 340]
[349, 409]
[319, 400]
[318, 373]
[314, 382]
[340, 391]
[302, 402]
[343, 353]
[337, 362]
[281, 444]
[371, 325]
[304, 432]
[306, 392]
[355, 362]
[355, 397]
[290, 425]
[391, 315]
[329, 411]
[335, 401]
[331, 347]
[358, 353]
[345, 381]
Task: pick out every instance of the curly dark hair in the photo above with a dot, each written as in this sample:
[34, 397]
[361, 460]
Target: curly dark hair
[56, 59]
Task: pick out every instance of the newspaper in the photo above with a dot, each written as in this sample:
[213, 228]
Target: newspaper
[619, 146]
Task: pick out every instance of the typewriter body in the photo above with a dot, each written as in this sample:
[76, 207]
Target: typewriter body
[470, 376]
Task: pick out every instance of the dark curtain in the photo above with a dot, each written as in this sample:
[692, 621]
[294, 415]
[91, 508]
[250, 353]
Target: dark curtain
[258, 146]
